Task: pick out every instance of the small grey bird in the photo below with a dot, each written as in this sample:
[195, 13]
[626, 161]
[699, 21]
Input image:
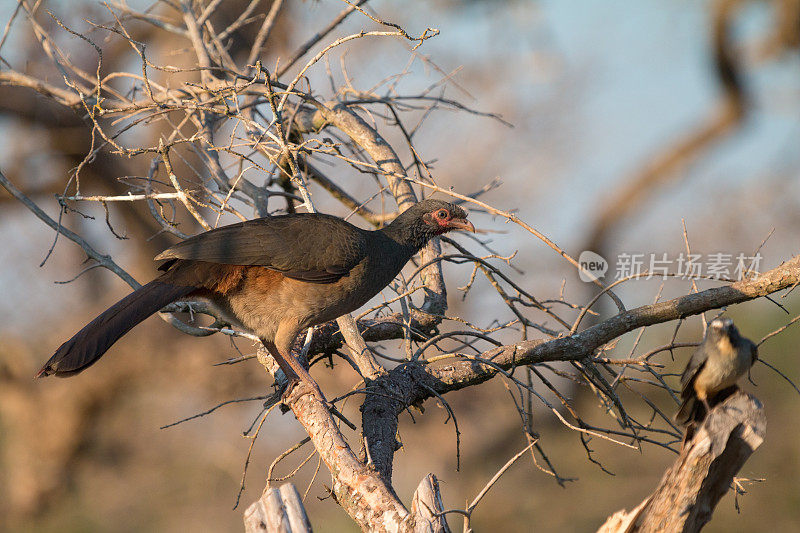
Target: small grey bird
[723, 357]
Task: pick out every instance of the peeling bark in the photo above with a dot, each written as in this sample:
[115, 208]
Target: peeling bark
[691, 488]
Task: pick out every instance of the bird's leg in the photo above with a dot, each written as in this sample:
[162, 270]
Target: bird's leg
[704, 399]
[296, 374]
[284, 365]
[292, 369]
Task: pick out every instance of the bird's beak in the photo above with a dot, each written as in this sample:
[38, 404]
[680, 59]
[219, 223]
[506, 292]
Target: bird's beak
[461, 224]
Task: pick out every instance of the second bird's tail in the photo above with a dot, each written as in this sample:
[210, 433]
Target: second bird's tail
[90, 343]
[692, 410]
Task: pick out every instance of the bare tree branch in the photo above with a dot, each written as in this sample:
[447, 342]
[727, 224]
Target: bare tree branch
[703, 472]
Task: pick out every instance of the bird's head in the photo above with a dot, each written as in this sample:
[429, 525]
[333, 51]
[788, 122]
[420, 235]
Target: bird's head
[441, 217]
[727, 339]
[723, 333]
[427, 219]
[722, 325]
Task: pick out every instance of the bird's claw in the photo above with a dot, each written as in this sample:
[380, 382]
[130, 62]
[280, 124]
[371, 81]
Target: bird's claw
[289, 396]
[286, 395]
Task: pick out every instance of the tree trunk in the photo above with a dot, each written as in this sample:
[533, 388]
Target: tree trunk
[702, 474]
[278, 510]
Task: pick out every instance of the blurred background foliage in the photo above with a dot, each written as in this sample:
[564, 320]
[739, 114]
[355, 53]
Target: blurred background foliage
[599, 93]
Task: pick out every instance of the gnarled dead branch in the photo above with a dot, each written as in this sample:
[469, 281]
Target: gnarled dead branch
[703, 472]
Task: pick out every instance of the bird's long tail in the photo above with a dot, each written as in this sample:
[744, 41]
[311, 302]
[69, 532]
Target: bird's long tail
[90, 343]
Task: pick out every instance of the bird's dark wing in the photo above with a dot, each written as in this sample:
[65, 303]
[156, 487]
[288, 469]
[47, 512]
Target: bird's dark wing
[315, 248]
[695, 365]
[753, 351]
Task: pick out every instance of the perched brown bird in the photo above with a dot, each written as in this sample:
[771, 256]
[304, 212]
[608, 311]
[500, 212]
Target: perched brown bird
[273, 276]
[723, 357]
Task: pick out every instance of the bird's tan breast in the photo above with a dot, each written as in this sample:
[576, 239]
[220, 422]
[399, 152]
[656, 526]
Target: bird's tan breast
[260, 299]
[722, 370]
[264, 298]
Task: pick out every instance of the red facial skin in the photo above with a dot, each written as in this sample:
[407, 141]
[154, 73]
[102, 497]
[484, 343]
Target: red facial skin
[446, 222]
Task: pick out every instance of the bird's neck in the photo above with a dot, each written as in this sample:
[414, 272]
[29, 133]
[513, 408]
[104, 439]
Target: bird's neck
[410, 237]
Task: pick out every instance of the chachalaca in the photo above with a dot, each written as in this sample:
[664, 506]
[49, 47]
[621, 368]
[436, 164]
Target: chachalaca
[722, 358]
[273, 276]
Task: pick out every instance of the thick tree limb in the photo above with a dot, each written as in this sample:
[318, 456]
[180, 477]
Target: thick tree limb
[428, 507]
[278, 510]
[328, 338]
[359, 351]
[412, 382]
[358, 489]
[702, 474]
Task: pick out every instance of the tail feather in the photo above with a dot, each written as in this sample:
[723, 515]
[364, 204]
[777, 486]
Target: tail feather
[90, 343]
[688, 411]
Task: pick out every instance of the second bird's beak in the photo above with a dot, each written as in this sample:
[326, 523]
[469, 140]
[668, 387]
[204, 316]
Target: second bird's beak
[462, 224]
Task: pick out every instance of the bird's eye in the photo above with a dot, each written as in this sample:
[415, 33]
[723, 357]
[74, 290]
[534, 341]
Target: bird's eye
[441, 213]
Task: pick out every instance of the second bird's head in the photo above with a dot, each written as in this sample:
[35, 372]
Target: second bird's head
[722, 326]
[723, 332]
[427, 219]
[725, 337]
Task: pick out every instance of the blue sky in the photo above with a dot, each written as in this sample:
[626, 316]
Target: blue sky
[594, 90]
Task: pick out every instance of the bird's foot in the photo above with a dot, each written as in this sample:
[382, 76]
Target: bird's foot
[298, 387]
[286, 396]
